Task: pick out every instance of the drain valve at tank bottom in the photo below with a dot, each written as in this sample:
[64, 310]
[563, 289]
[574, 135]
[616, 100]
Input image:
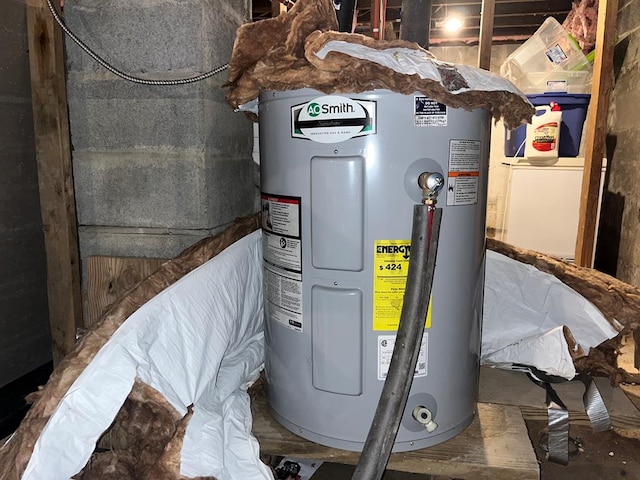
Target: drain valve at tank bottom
[424, 416]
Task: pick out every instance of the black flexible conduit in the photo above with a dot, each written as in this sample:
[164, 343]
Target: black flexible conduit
[393, 399]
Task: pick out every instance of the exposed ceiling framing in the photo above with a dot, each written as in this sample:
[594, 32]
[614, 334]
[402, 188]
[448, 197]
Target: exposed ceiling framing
[515, 20]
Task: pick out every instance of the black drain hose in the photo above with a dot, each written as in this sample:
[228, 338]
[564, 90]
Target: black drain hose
[393, 399]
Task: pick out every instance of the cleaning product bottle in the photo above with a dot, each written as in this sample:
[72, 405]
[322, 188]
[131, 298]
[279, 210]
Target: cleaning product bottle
[543, 134]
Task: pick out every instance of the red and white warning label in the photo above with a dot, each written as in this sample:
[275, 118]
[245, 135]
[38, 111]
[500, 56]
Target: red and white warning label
[282, 259]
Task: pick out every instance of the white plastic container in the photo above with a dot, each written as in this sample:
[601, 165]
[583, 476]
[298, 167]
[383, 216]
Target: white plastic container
[557, 81]
[543, 133]
[550, 49]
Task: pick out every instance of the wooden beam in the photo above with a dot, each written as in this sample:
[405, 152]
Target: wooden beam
[595, 131]
[53, 154]
[486, 33]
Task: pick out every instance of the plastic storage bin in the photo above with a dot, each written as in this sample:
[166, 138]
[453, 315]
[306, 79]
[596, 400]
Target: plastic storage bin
[556, 82]
[550, 49]
[574, 112]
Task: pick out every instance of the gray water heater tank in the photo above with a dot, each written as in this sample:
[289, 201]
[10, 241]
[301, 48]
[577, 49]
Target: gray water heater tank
[339, 180]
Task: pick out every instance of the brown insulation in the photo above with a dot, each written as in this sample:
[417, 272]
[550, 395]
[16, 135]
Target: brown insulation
[144, 405]
[618, 301]
[279, 54]
[582, 23]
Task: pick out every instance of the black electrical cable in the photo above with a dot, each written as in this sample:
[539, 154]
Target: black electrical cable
[393, 399]
[121, 74]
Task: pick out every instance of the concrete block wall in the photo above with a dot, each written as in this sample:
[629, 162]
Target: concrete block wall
[618, 251]
[156, 168]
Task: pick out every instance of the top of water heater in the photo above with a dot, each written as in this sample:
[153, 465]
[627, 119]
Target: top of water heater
[301, 49]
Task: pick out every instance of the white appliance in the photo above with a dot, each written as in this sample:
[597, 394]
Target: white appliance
[543, 204]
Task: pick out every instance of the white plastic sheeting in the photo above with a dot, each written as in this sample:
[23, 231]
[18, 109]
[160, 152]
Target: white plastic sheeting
[416, 62]
[524, 312]
[200, 342]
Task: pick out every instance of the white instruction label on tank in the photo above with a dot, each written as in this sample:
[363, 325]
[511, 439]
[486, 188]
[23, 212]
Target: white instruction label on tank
[283, 292]
[333, 119]
[429, 113]
[282, 259]
[385, 351]
[281, 251]
[464, 172]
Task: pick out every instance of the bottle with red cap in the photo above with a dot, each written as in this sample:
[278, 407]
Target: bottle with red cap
[543, 133]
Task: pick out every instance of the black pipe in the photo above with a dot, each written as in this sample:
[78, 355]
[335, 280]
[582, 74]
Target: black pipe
[415, 21]
[344, 11]
[393, 399]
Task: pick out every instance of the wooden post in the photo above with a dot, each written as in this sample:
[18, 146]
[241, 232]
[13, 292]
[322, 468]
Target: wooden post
[486, 34]
[53, 155]
[595, 131]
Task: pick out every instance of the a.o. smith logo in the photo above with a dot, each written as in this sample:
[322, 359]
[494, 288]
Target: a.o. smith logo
[333, 119]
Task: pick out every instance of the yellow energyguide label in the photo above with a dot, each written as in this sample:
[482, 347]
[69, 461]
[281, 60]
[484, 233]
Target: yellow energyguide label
[391, 266]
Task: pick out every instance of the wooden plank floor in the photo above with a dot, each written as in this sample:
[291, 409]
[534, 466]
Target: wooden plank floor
[514, 388]
[495, 446]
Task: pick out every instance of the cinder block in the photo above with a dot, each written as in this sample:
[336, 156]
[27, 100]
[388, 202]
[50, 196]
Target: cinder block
[164, 158]
[157, 189]
[625, 95]
[106, 115]
[155, 38]
[623, 172]
[230, 184]
[137, 37]
[113, 115]
[221, 19]
[138, 242]
[628, 17]
[141, 189]
[228, 133]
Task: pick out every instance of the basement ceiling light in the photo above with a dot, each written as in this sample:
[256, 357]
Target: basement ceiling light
[453, 24]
